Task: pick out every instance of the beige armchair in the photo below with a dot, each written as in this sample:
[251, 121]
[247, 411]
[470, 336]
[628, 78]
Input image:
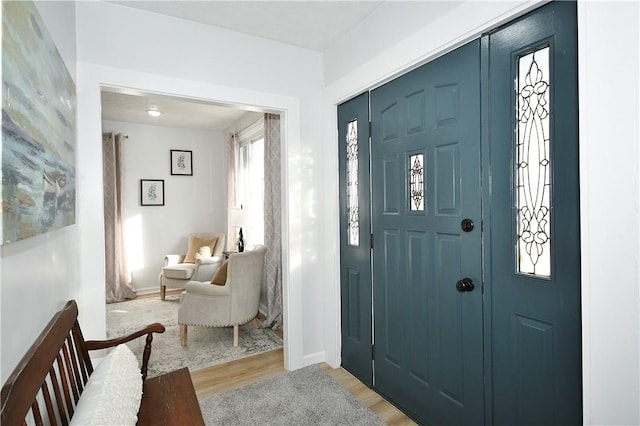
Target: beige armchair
[208, 305]
[178, 269]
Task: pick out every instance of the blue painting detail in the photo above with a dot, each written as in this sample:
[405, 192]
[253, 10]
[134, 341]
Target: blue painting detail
[38, 128]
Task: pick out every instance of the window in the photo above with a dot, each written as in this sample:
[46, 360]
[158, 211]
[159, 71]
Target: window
[353, 213]
[416, 182]
[249, 186]
[533, 165]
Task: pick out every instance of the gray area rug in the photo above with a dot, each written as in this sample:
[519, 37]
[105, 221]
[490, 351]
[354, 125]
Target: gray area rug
[308, 396]
[206, 346]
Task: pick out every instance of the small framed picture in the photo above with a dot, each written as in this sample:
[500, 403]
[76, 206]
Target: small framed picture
[181, 163]
[151, 192]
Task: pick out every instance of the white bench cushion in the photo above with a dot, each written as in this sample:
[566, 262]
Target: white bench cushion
[113, 392]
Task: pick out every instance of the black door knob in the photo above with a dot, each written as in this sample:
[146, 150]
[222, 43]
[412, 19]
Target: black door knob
[467, 225]
[465, 284]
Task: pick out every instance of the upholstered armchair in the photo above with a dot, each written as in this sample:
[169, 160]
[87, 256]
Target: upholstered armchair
[236, 302]
[202, 260]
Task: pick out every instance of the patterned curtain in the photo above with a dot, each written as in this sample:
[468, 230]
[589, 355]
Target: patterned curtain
[272, 224]
[232, 149]
[118, 279]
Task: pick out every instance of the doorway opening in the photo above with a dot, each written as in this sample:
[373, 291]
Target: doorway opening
[192, 202]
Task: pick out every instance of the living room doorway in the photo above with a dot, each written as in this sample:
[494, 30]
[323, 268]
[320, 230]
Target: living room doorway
[196, 202]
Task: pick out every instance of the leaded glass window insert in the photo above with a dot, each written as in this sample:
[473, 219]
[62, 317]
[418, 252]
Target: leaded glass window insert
[353, 212]
[533, 165]
[416, 182]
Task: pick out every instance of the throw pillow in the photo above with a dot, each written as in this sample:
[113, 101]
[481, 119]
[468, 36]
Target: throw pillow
[203, 252]
[194, 245]
[220, 277]
[113, 392]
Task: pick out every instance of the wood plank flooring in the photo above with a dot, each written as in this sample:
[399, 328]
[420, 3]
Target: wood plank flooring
[235, 374]
[224, 377]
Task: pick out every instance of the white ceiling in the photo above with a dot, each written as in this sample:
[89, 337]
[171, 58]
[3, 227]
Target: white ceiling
[313, 25]
[131, 107]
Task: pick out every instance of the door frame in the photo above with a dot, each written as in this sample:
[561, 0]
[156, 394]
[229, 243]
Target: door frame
[486, 201]
[596, 33]
[92, 79]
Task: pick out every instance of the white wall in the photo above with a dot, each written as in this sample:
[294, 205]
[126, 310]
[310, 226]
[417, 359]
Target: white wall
[609, 50]
[609, 168]
[124, 47]
[191, 203]
[39, 274]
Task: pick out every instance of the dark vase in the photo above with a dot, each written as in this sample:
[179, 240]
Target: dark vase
[240, 242]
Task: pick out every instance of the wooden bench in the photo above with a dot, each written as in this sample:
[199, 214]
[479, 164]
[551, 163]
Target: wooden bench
[48, 381]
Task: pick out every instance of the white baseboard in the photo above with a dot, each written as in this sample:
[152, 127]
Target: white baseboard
[148, 290]
[316, 358]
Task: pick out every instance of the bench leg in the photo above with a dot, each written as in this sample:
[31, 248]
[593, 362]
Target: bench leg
[163, 291]
[183, 335]
[236, 330]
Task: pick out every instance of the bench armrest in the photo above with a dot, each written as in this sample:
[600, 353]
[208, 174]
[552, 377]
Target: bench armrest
[148, 330]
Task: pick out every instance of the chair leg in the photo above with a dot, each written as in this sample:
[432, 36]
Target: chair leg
[163, 291]
[236, 330]
[183, 335]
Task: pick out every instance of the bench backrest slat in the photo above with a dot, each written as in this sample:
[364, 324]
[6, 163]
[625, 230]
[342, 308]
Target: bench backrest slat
[75, 368]
[86, 368]
[36, 413]
[47, 401]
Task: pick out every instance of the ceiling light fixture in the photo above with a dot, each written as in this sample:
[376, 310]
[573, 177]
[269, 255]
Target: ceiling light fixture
[154, 112]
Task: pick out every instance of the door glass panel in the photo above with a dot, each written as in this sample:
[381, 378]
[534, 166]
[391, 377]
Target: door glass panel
[533, 164]
[353, 213]
[416, 182]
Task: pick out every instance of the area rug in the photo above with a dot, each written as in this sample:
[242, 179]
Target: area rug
[308, 396]
[206, 346]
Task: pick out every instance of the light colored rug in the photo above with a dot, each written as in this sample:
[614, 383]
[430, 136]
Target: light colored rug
[308, 396]
[206, 346]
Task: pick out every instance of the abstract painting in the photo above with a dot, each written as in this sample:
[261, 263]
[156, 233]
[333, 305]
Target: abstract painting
[38, 128]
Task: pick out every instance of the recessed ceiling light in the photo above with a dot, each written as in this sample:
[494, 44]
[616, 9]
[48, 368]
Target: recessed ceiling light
[154, 112]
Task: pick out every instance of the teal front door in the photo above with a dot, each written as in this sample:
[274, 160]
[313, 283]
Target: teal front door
[472, 313]
[425, 170]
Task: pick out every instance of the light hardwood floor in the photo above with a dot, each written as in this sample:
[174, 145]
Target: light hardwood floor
[224, 377]
[235, 374]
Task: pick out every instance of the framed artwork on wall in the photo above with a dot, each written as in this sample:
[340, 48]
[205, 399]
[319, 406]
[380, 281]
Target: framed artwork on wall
[151, 192]
[181, 163]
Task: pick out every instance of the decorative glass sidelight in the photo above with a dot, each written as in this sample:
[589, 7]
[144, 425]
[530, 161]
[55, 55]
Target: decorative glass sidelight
[353, 212]
[416, 182]
[533, 165]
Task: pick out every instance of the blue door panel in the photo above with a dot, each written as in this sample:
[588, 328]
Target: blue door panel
[430, 361]
[535, 329]
[355, 259]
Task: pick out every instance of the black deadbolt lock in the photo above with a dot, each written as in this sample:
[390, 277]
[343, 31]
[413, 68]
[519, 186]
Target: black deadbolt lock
[466, 225]
[465, 284]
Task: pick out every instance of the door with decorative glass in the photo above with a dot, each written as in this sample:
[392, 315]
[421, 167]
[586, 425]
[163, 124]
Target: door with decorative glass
[425, 161]
[355, 231]
[474, 214]
[533, 267]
